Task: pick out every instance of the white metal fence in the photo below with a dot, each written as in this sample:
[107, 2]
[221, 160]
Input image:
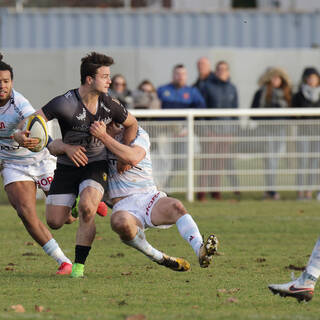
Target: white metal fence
[233, 150]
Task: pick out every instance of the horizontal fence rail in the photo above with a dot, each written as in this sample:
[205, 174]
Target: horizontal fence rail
[232, 149]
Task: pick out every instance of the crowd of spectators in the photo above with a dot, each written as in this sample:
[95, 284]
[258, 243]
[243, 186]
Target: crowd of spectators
[213, 88]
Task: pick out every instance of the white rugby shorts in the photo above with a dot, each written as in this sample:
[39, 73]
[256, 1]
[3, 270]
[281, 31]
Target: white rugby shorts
[140, 205]
[40, 172]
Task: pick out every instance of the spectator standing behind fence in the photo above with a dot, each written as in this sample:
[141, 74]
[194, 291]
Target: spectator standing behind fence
[118, 90]
[145, 97]
[308, 96]
[274, 92]
[178, 95]
[218, 93]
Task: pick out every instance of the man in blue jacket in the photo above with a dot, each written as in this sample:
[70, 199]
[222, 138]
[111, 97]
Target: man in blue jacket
[178, 95]
[218, 93]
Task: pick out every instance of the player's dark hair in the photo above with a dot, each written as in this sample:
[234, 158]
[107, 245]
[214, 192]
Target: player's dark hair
[91, 62]
[4, 66]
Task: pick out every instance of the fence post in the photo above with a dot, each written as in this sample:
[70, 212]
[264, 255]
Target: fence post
[190, 173]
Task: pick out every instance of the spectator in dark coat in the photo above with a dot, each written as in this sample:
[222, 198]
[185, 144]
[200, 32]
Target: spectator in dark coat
[218, 92]
[216, 88]
[308, 96]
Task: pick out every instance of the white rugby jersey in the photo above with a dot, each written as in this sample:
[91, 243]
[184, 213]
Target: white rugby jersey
[17, 109]
[134, 180]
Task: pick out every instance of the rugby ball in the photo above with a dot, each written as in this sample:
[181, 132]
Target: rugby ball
[38, 129]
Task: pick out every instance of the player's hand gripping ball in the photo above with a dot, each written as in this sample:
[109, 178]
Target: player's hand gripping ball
[38, 129]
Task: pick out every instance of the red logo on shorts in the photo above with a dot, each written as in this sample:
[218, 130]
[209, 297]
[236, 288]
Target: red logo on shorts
[44, 182]
[151, 202]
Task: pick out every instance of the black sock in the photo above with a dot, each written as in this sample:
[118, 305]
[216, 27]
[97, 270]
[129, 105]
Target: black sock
[82, 253]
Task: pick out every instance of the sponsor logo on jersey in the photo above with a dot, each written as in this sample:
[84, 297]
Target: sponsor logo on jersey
[191, 238]
[104, 107]
[150, 204]
[82, 115]
[186, 95]
[82, 128]
[9, 148]
[68, 95]
[167, 93]
[107, 120]
[44, 182]
[115, 100]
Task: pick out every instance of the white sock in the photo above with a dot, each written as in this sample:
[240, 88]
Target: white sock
[52, 249]
[313, 266]
[190, 232]
[140, 243]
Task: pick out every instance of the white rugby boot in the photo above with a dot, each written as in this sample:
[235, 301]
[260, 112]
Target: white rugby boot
[302, 288]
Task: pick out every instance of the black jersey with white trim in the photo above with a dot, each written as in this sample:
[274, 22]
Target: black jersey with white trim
[75, 120]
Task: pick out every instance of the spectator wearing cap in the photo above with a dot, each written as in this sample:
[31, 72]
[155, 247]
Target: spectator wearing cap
[308, 96]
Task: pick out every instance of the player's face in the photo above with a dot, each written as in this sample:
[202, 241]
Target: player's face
[102, 80]
[5, 86]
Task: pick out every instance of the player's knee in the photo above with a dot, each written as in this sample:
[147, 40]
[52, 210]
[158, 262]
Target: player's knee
[121, 225]
[178, 208]
[86, 212]
[54, 223]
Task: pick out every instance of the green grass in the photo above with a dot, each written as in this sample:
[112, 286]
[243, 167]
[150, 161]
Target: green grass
[258, 240]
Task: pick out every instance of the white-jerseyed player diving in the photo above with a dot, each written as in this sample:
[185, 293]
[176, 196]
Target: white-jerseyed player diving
[137, 204]
[24, 170]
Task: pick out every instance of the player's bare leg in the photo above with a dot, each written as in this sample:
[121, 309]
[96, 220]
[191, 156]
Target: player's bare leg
[57, 216]
[131, 233]
[22, 196]
[171, 211]
[90, 198]
[125, 225]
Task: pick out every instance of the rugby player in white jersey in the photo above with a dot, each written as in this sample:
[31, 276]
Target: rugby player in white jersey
[137, 204]
[23, 171]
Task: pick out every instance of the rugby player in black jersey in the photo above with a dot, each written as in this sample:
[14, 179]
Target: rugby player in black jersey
[81, 166]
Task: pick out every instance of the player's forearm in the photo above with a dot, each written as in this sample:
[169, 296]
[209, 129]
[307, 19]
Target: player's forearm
[128, 154]
[56, 147]
[130, 129]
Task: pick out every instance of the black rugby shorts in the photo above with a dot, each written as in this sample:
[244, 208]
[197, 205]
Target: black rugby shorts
[68, 178]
